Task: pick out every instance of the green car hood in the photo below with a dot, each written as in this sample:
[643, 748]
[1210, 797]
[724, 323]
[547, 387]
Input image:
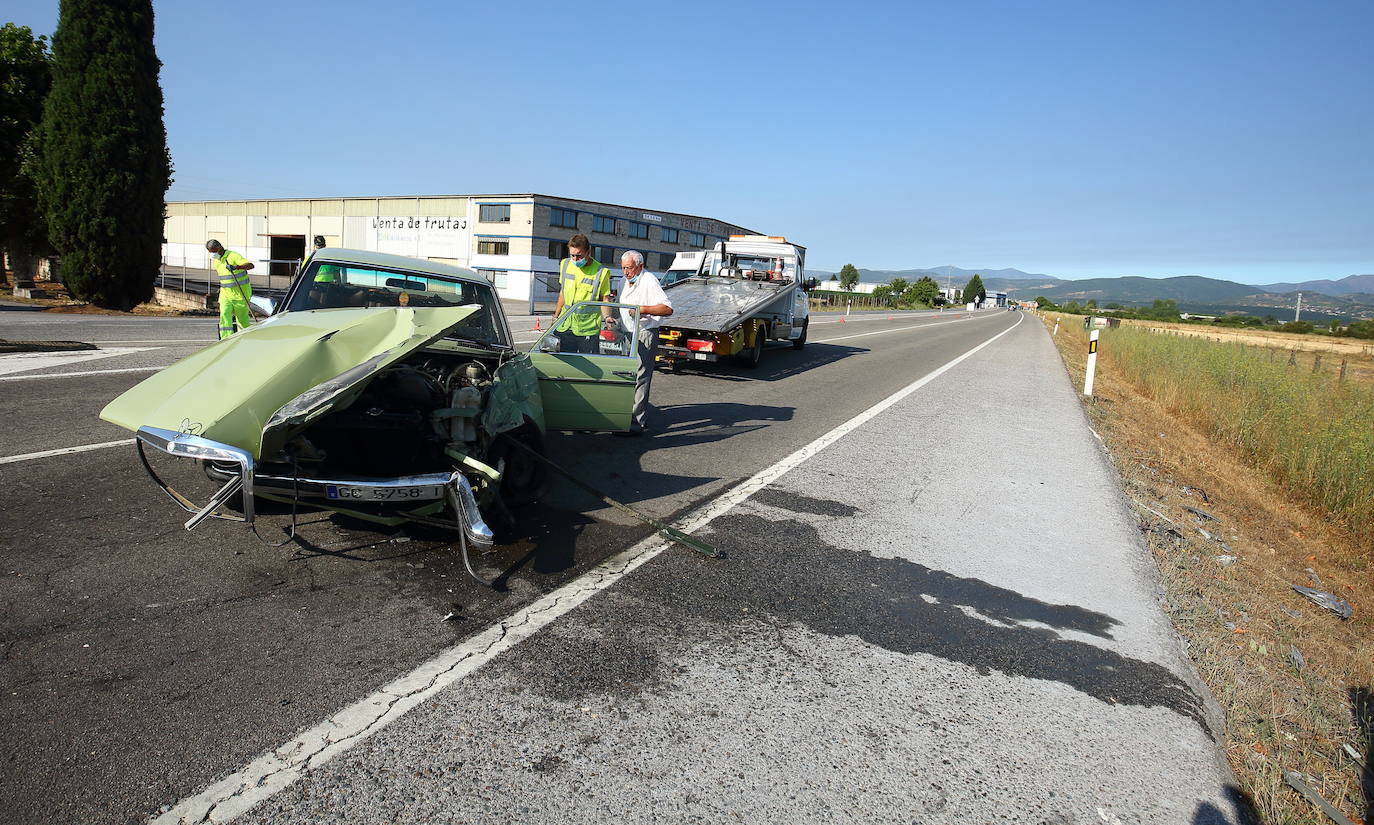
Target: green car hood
[254, 389]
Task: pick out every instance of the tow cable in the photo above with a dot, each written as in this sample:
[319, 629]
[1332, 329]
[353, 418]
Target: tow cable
[667, 531]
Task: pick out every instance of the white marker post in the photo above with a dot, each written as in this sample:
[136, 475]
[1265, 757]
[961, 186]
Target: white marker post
[1092, 364]
[1056, 327]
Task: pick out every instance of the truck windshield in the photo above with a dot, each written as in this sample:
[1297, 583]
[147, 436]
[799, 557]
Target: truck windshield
[326, 285]
[756, 268]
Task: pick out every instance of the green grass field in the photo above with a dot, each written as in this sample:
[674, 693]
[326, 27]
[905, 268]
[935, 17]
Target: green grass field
[1310, 430]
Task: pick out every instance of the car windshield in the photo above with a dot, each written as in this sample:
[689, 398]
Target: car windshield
[331, 285]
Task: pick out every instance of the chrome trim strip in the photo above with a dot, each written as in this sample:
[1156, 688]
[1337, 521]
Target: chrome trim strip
[185, 445]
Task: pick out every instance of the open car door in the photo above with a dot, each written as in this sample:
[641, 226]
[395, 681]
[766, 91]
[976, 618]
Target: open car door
[588, 383]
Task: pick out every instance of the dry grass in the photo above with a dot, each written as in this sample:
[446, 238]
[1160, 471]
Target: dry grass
[1358, 353]
[60, 301]
[1241, 617]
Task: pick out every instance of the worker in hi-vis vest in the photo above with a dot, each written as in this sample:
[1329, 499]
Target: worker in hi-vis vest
[581, 278]
[234, 287]
[328, 273]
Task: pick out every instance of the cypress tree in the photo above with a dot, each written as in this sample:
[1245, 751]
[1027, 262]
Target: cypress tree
[103, 165]
[974, 291]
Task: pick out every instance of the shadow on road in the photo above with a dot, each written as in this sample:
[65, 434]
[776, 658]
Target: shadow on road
[779, 362]
[781, 571]
[1242, 810]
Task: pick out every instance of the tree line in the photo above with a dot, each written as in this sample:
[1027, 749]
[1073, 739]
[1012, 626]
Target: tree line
[84, 165]
[901, 294]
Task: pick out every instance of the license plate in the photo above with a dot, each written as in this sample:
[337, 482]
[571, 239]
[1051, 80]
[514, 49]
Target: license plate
[700, 356]
[340, 492]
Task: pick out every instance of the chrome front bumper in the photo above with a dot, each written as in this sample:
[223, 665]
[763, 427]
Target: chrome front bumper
[246, 483]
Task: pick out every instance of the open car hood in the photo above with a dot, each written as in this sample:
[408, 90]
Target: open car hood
[255, 389]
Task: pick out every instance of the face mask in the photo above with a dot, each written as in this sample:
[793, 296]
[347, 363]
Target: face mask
[579, 261]
[217, 255]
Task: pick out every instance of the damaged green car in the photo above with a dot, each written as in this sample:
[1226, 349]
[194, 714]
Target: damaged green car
[383, 387]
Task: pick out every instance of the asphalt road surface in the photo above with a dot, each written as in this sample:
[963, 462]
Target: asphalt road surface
[904, 630]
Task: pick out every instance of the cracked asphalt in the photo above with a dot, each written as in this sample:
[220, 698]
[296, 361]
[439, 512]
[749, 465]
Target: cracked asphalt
[902, 632]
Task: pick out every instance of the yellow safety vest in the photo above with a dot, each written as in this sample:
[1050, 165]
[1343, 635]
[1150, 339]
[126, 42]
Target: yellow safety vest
[233, 286]
[326, 274]
[585, 283]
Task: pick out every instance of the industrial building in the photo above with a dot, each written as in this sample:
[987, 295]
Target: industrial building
[515, 240]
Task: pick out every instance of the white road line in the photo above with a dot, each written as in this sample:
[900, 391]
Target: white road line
[278, 768]
[80, 374]
[27, 361]
[15, 459]
[205, 341]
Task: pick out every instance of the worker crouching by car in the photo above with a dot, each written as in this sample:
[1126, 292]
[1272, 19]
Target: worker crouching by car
[641, 289]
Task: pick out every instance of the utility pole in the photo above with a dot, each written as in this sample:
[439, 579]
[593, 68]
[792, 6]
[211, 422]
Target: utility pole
[1298, 311]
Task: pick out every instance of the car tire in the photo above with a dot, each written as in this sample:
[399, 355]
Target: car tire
[524, 479]
[800, 340]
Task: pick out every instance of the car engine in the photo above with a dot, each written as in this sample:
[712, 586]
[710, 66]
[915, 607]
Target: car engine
[402, 423]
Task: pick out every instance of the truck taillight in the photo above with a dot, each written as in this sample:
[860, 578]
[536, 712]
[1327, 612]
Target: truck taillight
[701, 346]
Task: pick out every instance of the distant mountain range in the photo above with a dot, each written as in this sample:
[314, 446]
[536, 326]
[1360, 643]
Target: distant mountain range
[1352, 296]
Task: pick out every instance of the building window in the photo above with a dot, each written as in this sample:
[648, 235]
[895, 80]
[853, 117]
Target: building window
[558, 250]
[565, 218]
[606, 255]
[601, 223]
[493, 213]
[498, 277]
[638, 230]
[665, 260]
[493, 247]
[667, 235]
[696, 239]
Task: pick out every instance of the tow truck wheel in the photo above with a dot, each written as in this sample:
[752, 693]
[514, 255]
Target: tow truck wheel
[800, 340]
[755, 353]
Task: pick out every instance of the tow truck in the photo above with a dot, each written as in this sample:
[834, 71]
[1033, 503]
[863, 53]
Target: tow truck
[730, 299]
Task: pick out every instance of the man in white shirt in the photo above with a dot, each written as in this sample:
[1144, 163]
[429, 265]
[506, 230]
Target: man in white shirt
[641, 289]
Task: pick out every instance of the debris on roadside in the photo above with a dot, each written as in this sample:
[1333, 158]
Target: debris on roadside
[1188, 490]
[1224, 560]
[1299, 661]
[1201, 514]
[1330, 601]
[1213, 538]
[1294, 779]
[1353, 754]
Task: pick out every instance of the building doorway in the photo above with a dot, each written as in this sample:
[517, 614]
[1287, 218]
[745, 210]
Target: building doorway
[286, 253]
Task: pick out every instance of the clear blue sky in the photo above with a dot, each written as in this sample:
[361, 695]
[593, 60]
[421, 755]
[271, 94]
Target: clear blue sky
[1229, 139]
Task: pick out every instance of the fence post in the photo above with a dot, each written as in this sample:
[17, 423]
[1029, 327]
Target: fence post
[1092, 363]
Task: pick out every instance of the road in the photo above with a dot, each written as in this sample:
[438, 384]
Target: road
[902, 631]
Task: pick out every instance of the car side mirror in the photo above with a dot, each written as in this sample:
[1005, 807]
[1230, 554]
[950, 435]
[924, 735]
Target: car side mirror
[550, 344]
[810, 284]
[263, 304]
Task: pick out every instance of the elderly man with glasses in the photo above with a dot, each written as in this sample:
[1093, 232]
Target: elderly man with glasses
[641, 289]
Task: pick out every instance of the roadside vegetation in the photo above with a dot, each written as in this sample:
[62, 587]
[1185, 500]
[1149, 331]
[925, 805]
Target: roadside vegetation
[1168, 311]
[1251, 476]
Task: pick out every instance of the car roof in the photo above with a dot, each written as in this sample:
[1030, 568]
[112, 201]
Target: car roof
[340, 255]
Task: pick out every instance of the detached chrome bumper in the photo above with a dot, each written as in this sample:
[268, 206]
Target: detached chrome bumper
[246, 483]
